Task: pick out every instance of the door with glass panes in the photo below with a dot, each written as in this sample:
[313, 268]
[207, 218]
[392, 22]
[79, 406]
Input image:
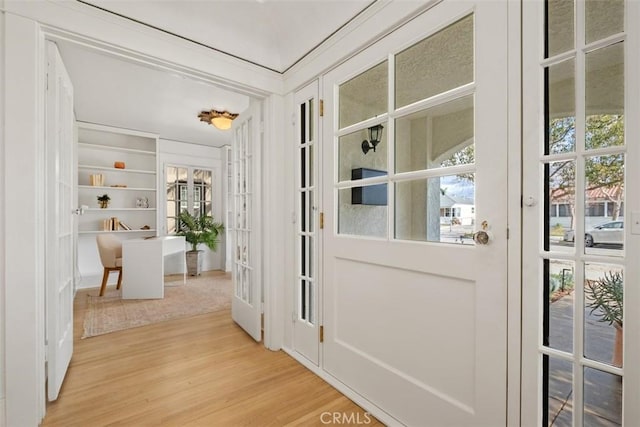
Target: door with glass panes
[580, 252]
[306, 318]
[246, 302]
[415, 128]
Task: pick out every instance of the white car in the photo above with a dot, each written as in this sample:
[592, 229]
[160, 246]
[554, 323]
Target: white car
[609, 233]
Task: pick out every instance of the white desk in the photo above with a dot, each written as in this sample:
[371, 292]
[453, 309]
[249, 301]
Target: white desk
[143, 265]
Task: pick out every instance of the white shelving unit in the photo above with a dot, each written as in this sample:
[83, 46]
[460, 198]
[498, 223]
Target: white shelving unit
[99, 147]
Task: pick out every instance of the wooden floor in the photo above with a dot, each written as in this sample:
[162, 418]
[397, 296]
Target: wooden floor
[200, 371]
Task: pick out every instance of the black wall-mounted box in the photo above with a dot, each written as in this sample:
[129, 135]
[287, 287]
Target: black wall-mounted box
[370, 195]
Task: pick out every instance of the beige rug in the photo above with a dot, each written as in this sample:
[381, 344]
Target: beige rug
[199, 295]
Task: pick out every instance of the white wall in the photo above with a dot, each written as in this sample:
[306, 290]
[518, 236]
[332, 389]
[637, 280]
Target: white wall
[24, 223]
[182, 153]
[2, 208]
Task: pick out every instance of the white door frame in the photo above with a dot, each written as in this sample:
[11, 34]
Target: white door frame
[25, 68]
[514, 208]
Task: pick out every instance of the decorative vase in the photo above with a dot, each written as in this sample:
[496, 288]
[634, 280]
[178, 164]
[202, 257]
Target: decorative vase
[616, 360]
[194, 263]
[103, 204]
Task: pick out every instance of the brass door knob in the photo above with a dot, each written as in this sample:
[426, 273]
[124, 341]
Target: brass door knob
[481, 237]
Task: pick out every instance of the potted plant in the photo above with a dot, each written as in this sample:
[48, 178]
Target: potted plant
[605, 298]
[103, 201]
[197, 230]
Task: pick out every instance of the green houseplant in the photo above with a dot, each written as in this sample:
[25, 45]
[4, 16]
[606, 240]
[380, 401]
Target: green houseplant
[198, 230]
[103, 200]
[605, 298]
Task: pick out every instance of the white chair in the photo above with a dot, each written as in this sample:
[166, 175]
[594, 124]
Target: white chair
[110, 249]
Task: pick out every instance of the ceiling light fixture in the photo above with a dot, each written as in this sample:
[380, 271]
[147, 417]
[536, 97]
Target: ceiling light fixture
[220, 119]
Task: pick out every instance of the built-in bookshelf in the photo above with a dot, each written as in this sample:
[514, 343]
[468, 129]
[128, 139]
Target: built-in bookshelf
[131, 187]
[122, 164]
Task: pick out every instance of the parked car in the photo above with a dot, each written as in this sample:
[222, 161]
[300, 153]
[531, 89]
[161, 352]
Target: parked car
[609, 233]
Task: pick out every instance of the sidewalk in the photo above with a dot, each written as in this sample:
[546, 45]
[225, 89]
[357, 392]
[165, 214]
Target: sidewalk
[602, 391]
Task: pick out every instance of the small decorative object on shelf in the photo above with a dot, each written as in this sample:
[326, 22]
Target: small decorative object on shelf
[119, 185]
[145, 227]
[142, 202]
[103, 201]
[118, 165]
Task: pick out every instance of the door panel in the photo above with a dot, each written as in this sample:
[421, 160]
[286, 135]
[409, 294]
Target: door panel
[414, 311]
[246, 303]
[580, 86]
[306, 336]
[60, 238]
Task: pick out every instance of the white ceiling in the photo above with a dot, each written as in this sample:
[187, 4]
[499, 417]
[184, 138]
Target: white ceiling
[115, 92]
[271, 33]
[274, 34]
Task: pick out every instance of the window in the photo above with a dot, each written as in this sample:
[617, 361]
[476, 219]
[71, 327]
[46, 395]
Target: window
[190, 189]
[564, 210]
[433, 145]
[595, 209]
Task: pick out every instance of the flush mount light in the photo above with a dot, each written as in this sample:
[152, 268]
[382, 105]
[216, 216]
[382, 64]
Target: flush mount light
[220, 119]
[375, 135]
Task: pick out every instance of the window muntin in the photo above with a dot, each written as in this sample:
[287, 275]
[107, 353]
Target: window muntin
[420, 141]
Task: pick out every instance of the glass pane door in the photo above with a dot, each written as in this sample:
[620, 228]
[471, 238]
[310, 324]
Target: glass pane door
[242, 167]
[306, 233]
[582, 173]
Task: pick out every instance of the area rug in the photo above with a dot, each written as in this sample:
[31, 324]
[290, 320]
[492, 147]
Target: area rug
[199, 295]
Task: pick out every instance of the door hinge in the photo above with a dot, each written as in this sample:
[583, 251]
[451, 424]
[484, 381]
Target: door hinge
[507, 233]
[322, 108]
[321, 220]
[321, 333]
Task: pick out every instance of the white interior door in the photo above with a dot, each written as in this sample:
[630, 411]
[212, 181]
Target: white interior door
[60, 237]
[414, 311]
[306, 320]
[246, 304]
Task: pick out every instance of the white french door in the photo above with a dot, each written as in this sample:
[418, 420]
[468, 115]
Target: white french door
[60, 235]
[580, 219]
[246, 303]
[306, 321]
[414, 311]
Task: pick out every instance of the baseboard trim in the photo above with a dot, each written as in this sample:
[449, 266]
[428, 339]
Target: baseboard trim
[359, 400]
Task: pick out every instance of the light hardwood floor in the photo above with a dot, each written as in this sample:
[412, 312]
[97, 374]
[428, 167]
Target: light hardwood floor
[198, 371]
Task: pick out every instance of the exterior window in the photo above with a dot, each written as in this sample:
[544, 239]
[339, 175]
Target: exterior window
[564, 210]
[189, 189]
[595, 209]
